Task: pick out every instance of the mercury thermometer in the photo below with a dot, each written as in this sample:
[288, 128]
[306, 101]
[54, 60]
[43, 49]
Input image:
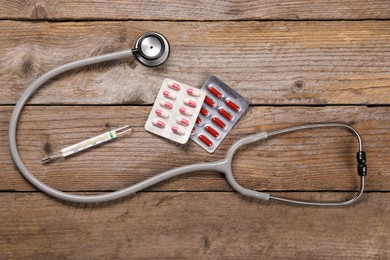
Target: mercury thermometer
[102, 138]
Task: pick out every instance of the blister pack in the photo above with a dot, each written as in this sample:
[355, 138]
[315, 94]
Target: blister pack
[175, 111]
[221, 110]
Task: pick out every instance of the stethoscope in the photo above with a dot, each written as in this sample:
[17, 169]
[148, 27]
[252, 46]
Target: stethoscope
[152, 49]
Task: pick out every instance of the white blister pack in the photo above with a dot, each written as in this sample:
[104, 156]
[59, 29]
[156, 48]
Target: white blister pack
[175, 111]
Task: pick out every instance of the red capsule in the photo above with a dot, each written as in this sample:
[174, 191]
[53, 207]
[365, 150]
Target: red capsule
[212, 131]
[209, 101]
[204, 111]
[225, 114]
[218, 122]
[232, 105]
[205, 140]
[198, 121]
[214, 91]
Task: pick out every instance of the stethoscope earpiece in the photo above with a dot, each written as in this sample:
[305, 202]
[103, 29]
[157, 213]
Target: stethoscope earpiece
[151, 49]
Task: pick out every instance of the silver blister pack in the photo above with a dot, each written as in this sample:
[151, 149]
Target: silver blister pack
[221, 109]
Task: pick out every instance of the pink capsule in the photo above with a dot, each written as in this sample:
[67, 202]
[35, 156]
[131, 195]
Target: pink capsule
[174, 85]
[161, 113]
[185, 111]
[166, 104]
[178, 130]
[169, 95]
[182, 121]
[190, 102]
[193, 92]
[158, 123]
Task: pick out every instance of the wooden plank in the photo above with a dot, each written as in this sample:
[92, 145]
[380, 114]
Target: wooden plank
[195, 10]
[268, 62]
[312, 160]
[193, 225]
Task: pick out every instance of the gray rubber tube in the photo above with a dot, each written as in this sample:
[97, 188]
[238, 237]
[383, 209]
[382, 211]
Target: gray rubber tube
[68, 196]
[223, 166]
[321, 125]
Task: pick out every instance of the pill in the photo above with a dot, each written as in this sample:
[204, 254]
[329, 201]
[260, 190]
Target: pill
[198, 121]
[193, 92]
[182, 121]
[178, 130]
[232, 105]
[161, 113]
[158, 123]
[174, 85]
[166, 104]
[185, 111]
[189, 102]
[209, 101]
[218, 122]
[214, 91]
[169, 95]
[205, 140]
[204, 111]
[225, 114]
[212, 131]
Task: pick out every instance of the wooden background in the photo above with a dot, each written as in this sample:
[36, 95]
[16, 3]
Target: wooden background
[296, 61]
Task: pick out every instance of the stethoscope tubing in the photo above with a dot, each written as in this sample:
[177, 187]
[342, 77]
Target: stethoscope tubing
[223, 166]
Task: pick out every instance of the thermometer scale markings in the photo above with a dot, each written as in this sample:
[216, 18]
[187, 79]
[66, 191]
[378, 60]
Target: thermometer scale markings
[88, 143]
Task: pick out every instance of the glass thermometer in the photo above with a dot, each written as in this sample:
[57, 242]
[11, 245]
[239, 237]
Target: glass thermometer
[67, 151]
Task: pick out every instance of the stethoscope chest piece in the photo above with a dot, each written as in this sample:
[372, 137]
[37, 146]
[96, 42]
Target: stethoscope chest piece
[151, 49]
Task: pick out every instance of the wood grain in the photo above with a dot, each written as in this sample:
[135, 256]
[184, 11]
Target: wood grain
[304, 63]
[195, 10]
[312, 160]
[193, 225]
[301, 52]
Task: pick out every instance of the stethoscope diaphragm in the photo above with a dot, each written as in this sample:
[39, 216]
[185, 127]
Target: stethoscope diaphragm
[151, 49]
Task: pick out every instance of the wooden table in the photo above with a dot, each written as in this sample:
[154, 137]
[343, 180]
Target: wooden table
[296, 61]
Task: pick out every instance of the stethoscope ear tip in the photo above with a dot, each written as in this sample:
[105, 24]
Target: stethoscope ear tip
[151, 49]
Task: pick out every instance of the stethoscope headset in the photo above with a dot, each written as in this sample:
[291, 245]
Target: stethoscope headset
[152, 49]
